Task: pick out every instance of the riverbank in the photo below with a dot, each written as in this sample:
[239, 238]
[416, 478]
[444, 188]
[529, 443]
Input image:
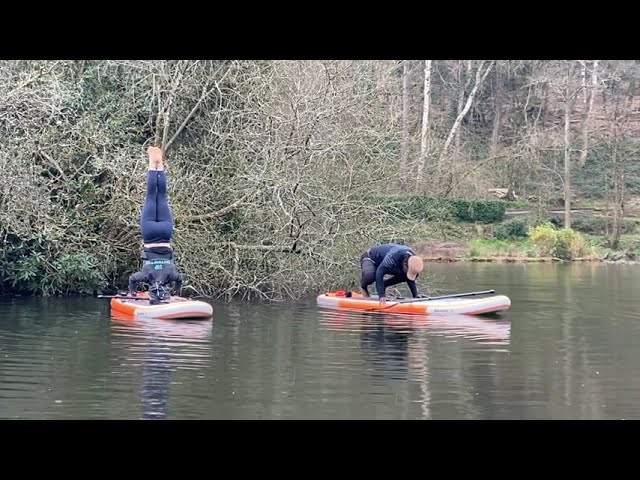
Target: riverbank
[509, 241]
[523, 251]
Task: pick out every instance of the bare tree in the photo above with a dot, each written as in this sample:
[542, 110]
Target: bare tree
[480, 77]
[590, 93]
[280, 170]
[424, 137]
[569, 99]
[497, 107]
[623, 147]
[404, 146]
[464, 80]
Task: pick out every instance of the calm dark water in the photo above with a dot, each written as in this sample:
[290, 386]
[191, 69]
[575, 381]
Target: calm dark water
[569, 348]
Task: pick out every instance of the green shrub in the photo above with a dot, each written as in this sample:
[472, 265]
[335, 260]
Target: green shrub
[75, 273]
[599, 225]
[544, 237]
[565, 243]
[36, 268]
[486, 211]
[421, 207]
[474, 252]
[519, 203]
[511, 228]
[595, 225]
[570, 244]
[557, 222]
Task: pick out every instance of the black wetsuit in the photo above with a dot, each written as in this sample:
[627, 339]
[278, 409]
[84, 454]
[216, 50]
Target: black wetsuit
[386, 259]
[158, 271]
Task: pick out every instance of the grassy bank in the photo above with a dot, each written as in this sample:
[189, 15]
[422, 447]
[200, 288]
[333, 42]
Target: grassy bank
[469, 247]
[526, 235]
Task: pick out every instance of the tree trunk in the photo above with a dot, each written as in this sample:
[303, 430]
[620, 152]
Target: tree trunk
[404, 146]
[590, 92]
[456, 124]
[463, 91]
[497, 106]
[620, 157]
[425, 122]
[614, 238]
[568, 104]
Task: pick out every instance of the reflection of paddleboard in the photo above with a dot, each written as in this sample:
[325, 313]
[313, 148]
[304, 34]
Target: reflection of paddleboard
[436, 306]
[177, 308]
[464, 326]
[167, 329]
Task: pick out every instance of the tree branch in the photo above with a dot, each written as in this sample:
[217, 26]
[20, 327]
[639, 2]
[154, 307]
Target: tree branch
[205, 94]
[219, 213]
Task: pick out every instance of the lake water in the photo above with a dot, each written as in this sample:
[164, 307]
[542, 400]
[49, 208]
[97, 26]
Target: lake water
[569, 348]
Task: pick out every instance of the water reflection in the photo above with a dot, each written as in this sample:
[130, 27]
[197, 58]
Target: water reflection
[386, 349]
[400, 348]
[567, 349]
[481, 329]
[156, 378]
[487, 330]
[162, 347]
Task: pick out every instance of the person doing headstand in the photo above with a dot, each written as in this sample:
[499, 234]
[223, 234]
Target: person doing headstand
[156, 225]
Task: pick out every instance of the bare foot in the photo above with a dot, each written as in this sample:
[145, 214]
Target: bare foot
[155, 158]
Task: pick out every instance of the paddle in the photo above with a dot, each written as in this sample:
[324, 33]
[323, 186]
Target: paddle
[454, 295]
[123, 296]
[128, 297]
[426, 299]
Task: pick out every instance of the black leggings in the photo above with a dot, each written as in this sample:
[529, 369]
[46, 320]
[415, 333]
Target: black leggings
[156, 222]
[368, 276]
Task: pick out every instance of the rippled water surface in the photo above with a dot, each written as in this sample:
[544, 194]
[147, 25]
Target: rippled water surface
[569, 348]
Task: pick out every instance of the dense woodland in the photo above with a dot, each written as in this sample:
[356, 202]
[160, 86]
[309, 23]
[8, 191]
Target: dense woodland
[275, 166]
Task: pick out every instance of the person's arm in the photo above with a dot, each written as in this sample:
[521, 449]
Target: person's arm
[413, 288]
[177, 278]
[135, 279]
[380, 273]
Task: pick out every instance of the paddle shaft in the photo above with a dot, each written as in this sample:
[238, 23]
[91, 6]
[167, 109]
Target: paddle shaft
[455, 295]
[123, 296]
[175, 298]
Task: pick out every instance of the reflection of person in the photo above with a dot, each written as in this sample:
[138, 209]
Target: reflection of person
[156, 381]
[389, 259]
[156, 224]
[389, 347]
